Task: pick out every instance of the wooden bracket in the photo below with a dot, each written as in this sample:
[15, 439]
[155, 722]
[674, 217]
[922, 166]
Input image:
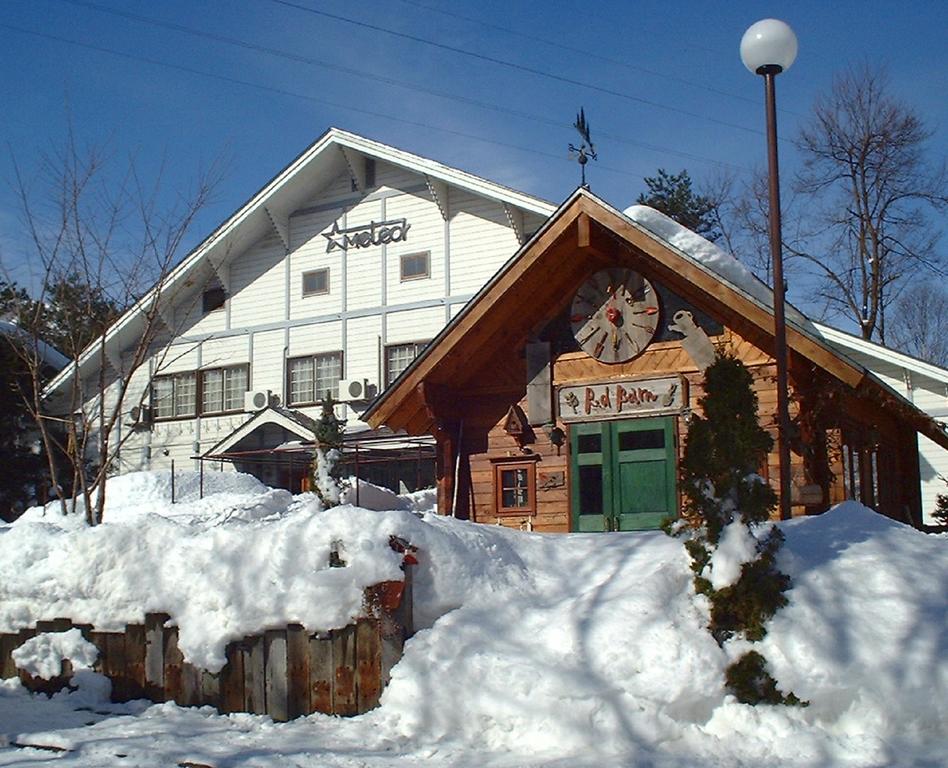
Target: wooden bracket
[281, 226]
[439, 193]
[355, 162]
[515, 219]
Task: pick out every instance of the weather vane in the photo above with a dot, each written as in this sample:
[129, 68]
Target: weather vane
[585, 150]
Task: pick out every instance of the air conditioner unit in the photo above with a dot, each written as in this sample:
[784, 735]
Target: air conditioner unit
[140, 415]
[357, 389]
[257, 400]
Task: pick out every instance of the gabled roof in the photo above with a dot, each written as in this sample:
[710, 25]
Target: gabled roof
[584, 234]
[294, 422]
[335, 152]
[855, 343]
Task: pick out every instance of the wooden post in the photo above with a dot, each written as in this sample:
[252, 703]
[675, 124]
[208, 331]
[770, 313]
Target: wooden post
[135, 661]
[254, 671]
[174, 661]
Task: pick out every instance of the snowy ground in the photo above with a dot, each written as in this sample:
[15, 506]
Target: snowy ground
[569, 650]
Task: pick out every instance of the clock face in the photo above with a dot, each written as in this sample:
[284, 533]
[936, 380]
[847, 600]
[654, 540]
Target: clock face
[614, 315]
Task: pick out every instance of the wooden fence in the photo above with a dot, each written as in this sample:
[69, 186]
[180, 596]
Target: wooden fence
[285, 672]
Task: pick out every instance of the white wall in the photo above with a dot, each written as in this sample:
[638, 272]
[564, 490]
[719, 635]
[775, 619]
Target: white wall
[266, 318]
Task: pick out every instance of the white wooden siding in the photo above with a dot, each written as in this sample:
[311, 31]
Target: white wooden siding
[258, 285]
[413, 325]
[481, 241]
[426, 234]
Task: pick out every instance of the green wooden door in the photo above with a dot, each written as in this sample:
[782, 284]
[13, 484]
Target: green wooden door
[623, 474]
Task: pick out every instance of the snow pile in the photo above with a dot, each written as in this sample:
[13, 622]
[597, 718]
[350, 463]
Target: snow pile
[43, 656]
[579, 649]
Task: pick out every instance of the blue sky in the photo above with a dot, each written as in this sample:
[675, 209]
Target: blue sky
[662, 84]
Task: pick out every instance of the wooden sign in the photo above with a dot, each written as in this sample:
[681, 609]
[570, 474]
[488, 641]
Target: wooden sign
[619, 399]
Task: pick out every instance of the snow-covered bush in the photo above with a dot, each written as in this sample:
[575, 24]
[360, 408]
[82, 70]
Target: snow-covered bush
[727, 506]
[324, 480]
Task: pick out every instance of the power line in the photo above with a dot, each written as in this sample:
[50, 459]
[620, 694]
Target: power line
[515, 66]
[588, 53]
[299, 58]
[296, 95]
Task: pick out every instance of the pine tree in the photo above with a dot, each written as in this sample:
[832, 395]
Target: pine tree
[721, 488]
[941, 507]
[674, 196]
[324, 479]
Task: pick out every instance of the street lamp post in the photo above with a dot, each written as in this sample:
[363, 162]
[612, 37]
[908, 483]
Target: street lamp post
[768, 48]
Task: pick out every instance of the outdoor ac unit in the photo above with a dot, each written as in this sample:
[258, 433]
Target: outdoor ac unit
[140, 415]
[357, 389]
[257, 400]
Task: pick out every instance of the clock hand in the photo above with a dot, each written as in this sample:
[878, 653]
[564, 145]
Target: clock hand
[601, 345]
[592, 333]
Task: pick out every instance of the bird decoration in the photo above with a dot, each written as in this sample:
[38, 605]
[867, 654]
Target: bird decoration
[585, 150]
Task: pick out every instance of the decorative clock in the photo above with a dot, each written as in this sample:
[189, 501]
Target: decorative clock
[614, 315]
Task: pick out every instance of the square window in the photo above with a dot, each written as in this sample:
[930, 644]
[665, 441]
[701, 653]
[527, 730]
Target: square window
[316, 282]
[174, 396]
[222, 389]
[416, 266]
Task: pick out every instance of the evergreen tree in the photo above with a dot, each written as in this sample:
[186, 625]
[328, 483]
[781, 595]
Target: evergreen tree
[725, 498]
[941, 507]
[674, 196]
[23, 467]
[324, 479]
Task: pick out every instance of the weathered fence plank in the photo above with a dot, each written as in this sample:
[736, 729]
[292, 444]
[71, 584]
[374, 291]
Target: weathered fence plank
[368, 664]
[155, 656]
[297, 672]
[254, 671]
[284, 672]
[275, 673]
[321, 674]
[232, 681]
[344, 700]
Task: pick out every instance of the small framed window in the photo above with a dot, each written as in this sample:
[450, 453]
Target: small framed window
[416, 266]
[213, 299]
[515, 488]
[316, 282]
[310, 378]
[398, 357]
[174, 396]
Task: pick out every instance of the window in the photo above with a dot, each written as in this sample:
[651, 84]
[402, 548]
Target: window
[222, 389]
[309, 378]
[398, 357]
[213, 298]
[416, 266]
[175, 396]
[316, 282]
[515, 487]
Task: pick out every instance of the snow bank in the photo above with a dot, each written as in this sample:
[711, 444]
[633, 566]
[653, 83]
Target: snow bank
[580, 649]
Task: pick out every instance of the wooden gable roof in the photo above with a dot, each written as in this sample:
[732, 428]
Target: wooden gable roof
[479, 349]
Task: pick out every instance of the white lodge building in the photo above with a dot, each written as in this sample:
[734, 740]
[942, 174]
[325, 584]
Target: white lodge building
[341, 269]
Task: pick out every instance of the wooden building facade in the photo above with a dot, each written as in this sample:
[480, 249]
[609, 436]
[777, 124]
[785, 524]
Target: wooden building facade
[560, 397]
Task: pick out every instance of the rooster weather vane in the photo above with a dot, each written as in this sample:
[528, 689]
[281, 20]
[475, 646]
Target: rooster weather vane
[585, 150]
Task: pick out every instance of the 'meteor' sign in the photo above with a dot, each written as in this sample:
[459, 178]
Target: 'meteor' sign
[366, 235]
[615, 399]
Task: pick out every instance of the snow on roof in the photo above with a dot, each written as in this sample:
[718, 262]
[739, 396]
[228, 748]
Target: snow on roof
[47, 353]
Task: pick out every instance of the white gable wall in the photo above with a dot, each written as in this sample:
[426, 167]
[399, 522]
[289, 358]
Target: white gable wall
[267, 320]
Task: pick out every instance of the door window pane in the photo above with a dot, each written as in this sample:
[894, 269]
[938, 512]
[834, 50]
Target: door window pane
[590, 443]
[590, 490]
[645, 439]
